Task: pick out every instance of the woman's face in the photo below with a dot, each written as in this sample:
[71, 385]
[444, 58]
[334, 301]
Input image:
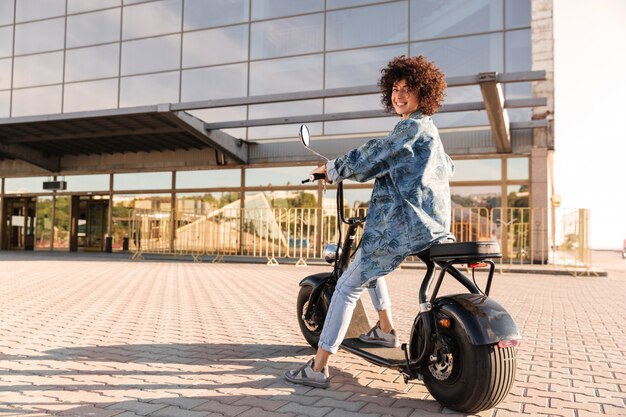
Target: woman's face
[404, 101]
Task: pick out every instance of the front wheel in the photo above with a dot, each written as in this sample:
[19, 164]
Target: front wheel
[312, 328]
[470, 378]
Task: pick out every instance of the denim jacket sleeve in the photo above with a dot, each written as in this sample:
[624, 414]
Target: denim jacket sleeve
[375, 158]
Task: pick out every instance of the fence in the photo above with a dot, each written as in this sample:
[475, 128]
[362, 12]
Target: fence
[545, 236]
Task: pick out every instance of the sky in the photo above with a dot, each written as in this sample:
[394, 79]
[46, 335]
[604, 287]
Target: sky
[590, 114]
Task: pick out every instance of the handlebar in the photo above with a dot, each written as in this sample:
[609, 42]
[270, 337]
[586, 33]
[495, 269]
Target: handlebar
[314, 177]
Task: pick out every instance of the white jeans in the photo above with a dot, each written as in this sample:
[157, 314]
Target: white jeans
[347, 293]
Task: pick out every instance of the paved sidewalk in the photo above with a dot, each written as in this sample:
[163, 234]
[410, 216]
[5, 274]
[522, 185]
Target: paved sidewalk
[85, 336]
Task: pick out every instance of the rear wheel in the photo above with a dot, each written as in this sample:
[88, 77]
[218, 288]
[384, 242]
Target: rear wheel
[311, 329]
[470, 378]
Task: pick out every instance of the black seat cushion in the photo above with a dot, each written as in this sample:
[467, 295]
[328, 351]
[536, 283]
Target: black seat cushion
[465, 250]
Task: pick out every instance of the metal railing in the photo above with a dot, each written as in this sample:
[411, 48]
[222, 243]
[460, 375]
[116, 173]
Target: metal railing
[527, 236]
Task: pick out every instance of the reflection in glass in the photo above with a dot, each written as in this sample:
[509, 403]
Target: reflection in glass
[517, 13]
[465, 94]
[518, 54]
[286, 75]
[80, 183]
[37, 9]
[292, 108]
[335, 4]
[517, 168]
[62, 222]
[41, 100]
[365, 26]
[143, 181]
[6, 12]
[461, 119]
[151, 19]
[92, 28]
[91, 95]
[24, 185]
[488, 196]
[214, 83]
[202, 204]
[477, 170]
[47, 35]
[6, 41]
[151, 55]
[39, 69]
[277, 176]
[463, 56]
[215, 46]
[43, 226]
[361, 67]
[379, 125]
[5, 103]
[89, 63]
[293, 36]
[348, 104]
[201, 14]
[518, 196]
[149, 89]
[5, 73]
[437, 18]
[208, 178]
[266, 9]
[77, 6]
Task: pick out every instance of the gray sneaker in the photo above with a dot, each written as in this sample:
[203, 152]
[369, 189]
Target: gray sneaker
[377, 337]
[305, 375]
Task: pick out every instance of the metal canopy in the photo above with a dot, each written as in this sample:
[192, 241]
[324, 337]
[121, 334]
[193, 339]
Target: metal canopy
[44, 141]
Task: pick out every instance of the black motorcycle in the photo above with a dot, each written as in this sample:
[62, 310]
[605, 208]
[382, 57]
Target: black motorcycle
[462, 346]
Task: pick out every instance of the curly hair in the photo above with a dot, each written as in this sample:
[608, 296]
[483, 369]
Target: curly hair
[422, 77]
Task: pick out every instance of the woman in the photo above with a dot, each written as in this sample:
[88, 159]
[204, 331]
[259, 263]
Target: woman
[409, 209]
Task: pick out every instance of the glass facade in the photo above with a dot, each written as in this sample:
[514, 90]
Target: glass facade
[63, 56]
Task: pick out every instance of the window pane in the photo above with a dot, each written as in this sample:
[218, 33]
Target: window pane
[463, 56]
[454, 17]
[293, 108]
[362, 67]
[517, 168]
[150, 19]
[5, 103]
[38, 69]
[477, 170]
[6, 41]
[24, 185]
[149, 89]
[89, 63]
[289, 131]
[461, 119]
[93, 95]
[517, 196]
[5, 73]
[379, 125]
[214, 83]
[518, 53]
[335, 4]
[464, 94]
[37, 9]
[203, 14]
[215, 46]
[42, 100]
[202, 204]
[488, 196]
[517, 13]
[39, 36]
[87, 182]
[77, 6]
[347, 104]
[296, 35]
[6, 12]
[92, 28]
[277, 176]
[286, 75]
[143, 181]
[365, 26]
[215, 178]
[265, 9]
[151, 55]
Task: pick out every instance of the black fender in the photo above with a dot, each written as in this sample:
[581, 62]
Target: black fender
[315, 280]
[319, 283]
[484, 320]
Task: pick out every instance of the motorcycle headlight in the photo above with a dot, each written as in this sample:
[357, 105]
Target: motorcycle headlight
[330, 252]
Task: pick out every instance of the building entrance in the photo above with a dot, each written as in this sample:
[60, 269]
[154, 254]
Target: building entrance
[88, 225]
[19, 223]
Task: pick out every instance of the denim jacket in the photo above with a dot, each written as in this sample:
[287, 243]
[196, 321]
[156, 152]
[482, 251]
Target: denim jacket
[410, 206]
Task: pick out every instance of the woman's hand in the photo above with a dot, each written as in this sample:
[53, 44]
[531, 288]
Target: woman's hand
[321, 170]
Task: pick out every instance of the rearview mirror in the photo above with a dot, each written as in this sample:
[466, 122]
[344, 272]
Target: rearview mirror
[305, 136]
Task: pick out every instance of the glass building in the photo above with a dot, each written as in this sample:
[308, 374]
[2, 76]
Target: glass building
[109, 106]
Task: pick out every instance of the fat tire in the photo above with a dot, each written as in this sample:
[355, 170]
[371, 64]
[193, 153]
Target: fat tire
[311, 336]
[481, 378]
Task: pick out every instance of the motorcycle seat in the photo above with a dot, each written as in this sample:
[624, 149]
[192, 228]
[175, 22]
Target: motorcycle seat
[473, 251]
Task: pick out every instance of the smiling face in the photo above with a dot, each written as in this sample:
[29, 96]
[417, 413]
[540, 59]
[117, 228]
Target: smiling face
[404, 100]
